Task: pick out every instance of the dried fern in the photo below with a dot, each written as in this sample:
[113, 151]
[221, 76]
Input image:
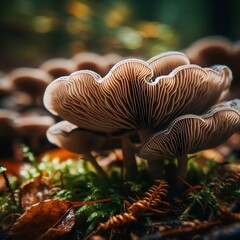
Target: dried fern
[152, 199]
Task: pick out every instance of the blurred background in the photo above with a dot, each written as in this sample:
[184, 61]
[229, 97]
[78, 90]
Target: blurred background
[33, 31]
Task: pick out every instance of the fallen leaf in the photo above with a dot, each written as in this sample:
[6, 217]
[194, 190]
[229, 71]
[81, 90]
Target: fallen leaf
[46, 220]
[33, 191]
[60, 153]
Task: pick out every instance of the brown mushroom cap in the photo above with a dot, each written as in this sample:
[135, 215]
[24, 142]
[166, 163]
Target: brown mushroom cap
[90, 61]
[129, 98]
[112, 59]
[29, 125]
[33, 129]
[5, 85]
[30, 80]
[6, 123]
[68, 136]
[95, 62]
[58, 67]
[191, 133]
[209, 51]
[217, 50]
[7, 132]
[236, 60]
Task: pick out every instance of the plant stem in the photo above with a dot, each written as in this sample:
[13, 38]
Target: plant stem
[129, 159]
[7, 183]
[144, 134]
[97, 167]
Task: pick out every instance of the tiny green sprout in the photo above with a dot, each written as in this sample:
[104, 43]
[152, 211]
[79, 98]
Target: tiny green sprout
[30, 156]
[7, 183]
[2, 169]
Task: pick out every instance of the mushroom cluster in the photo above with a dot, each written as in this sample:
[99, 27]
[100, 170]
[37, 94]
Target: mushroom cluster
[137, 98]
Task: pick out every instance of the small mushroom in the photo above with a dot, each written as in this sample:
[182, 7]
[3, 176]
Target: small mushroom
[6, 90]
[69, 136]
[210, 51]
[31, 130]
[5, 85]
[30, 81]
[90, 61]
[58, 67]
[136, 95]
[7, 132]
[95, 62]
[191, 133]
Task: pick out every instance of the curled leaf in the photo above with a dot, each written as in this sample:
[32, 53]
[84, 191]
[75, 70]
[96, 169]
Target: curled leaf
[46, 220]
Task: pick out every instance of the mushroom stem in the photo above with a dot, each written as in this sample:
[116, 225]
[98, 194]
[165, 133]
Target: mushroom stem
[93, 161]
[155, 166]
[144, 134]
[129, 159]
[182, 166]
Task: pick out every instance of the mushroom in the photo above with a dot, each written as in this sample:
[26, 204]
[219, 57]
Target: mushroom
[31, 130]
[31, 82]
[95, 62]
[69, 136]
[192, 133]
[136, 95]
[7, 132]
[209, 51]
[58, 67]
[5, 86]
[6, 90]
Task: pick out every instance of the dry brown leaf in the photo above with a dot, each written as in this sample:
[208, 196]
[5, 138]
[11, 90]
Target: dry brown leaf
[33, 191]
[47, 220]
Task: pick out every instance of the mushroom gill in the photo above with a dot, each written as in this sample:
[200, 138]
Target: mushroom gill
[69, 136]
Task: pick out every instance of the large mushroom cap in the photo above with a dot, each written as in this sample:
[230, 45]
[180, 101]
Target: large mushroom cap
[69, 136]
[191, 133]
[58, 67]
[129, 97]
